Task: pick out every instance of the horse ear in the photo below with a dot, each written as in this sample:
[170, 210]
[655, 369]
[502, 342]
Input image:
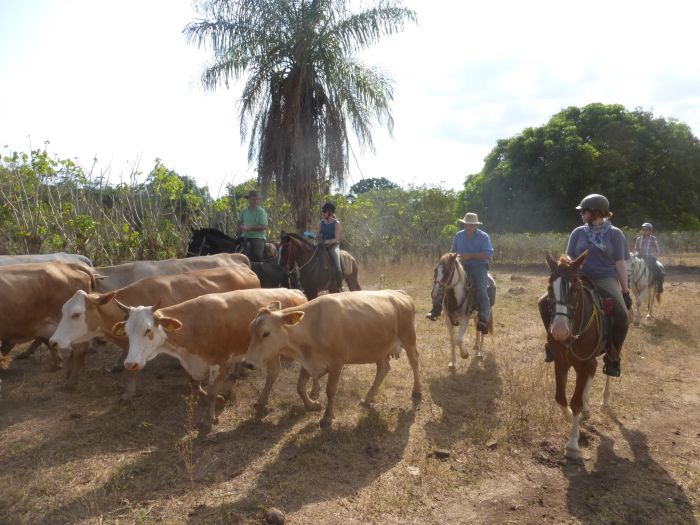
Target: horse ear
[550, 261]
[576, 263]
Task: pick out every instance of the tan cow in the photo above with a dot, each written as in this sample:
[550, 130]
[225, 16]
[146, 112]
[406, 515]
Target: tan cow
[32, 298]
[114, 277]
[207, 335]
[334, 330]
[87, 316]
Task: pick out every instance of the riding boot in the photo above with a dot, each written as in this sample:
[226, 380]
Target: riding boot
[435, 312]
[614, 350]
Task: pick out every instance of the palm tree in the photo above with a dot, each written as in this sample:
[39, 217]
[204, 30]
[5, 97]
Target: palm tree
[303, 86]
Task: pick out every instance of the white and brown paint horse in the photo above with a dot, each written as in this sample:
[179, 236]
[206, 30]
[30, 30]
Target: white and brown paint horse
[458, 305]
[643, 286]
[575, 334]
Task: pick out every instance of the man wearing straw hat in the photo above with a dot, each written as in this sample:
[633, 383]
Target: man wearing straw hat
[252, 224]
[475, 249]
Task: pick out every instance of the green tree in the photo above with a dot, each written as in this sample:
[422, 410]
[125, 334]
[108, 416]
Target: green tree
[304, 86]
[649, 168]
[375, 183]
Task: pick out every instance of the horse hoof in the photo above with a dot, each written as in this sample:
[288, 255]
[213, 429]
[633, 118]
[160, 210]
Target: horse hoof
[585, 414]
[636, 323]
[366, 404]
[480, 355]
[325, 423]
[417, 395]
[649, 317]
[464, 354]
[572, 453]
[452, 368]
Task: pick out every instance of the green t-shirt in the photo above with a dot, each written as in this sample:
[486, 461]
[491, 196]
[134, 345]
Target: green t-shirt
[254, 217]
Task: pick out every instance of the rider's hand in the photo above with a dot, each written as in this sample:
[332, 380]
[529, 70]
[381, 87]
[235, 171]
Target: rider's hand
[628, 300]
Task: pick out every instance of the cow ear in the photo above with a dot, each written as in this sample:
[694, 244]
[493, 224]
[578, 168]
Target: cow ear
[118, 329]
[292, 318]
[550, 261]
[274, 306]
[105, 298]
[168, 324]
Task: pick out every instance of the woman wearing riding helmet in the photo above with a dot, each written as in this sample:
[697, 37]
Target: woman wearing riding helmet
[647, 247]
[605, 267]
[330, 233]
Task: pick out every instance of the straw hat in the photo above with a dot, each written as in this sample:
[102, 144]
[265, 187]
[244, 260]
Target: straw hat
[470, 218]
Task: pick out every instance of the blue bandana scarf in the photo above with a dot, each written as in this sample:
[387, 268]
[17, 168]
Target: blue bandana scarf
[596, 233]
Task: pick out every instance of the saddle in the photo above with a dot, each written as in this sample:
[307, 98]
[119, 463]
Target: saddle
[604, 306]
[490, 290]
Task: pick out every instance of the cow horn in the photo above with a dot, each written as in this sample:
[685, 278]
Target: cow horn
[157, 305]
[122, 307]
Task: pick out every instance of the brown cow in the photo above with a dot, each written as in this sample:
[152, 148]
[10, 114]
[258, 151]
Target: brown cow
[86, 316]
[206, 334]
[113, 277]
[34, 294]
[356, 327]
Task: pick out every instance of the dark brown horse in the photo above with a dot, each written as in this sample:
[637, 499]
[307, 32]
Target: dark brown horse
[210, 241]
[314, 265]
[575, 335]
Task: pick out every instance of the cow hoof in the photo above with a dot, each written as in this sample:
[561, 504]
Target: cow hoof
[126, 398]
[416, 394]
[452, 368]
[325, 423]
[464, 354]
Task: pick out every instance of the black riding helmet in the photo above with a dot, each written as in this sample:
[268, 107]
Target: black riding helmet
[328, 206]
[594, 201]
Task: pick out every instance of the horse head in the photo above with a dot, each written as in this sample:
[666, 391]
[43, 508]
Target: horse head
[564, 293]
[447, 273]
[294, 249]
[198, 243]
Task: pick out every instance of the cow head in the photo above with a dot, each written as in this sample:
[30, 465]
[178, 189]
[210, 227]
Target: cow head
[79, 319]
[268, 333]
[147, 332]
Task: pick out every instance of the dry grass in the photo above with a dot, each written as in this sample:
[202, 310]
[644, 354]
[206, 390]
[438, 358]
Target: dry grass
[81, 457]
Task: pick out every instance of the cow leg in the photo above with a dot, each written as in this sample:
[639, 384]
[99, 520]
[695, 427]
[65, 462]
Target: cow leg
[217, 378]
[383, 367]
[412, 354]
[273, 371]
[56, 357]
[310, 405]
[130, 387]
[76, 362]
[29, 351]
[452, 367]
[331, 389]
[315, 388]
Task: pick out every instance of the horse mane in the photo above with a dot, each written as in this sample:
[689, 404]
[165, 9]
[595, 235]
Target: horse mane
[298, 237]
[215, 233]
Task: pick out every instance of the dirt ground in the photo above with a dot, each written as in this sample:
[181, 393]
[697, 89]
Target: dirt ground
[485, 445]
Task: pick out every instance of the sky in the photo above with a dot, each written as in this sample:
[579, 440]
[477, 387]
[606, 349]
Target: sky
[117, 81]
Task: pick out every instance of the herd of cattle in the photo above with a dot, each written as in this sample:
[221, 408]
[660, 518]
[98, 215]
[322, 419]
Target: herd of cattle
[208, 312]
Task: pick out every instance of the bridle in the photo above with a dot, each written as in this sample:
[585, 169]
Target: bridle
[450, 283]
[567, 281]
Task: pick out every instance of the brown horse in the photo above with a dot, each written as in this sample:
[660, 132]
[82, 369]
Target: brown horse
[314, 265]
[459, 305]
[575, 335]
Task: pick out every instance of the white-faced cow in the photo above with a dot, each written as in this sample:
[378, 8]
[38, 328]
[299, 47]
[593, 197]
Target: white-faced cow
[32, 298]
[207, 335]
[334, 330]
[87, 316]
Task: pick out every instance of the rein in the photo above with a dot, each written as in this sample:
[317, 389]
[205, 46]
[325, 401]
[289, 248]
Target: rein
[582, 329]
[447, 286]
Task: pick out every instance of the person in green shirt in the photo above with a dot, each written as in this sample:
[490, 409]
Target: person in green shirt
[252, 223]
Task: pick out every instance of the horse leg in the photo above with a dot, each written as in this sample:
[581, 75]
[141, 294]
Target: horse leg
[650, 303]
[561, 373]
[583, 380]
[463, 327]
[606, 393]
[452, 367]
[640, 300]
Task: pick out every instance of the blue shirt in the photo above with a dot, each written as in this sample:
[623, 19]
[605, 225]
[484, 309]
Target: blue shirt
[480, 242]
[599, 263]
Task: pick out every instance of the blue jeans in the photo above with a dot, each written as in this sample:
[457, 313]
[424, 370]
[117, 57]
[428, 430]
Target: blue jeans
[479, 275]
